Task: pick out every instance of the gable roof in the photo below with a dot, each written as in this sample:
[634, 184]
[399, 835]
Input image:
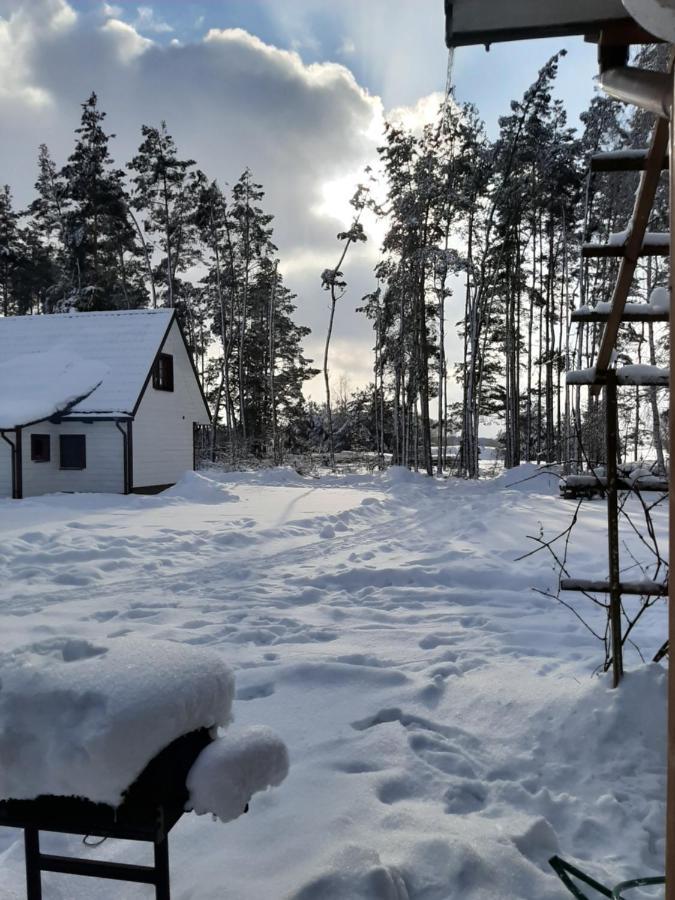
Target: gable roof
[124, 342]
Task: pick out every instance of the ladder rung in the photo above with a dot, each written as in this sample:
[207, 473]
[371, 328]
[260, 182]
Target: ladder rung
[633, 376]
[641, 483]
[622, 161]
[633, 312]
[643, 376]
[638, 588]
[655, 244]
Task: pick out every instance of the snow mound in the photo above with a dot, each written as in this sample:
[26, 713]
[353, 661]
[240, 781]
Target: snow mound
[82, 719]
[529, 477]
[229, 771]
[196, 488]
[36, 386]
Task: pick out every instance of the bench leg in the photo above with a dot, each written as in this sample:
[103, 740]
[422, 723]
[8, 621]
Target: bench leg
[162, 891]
[33, 880]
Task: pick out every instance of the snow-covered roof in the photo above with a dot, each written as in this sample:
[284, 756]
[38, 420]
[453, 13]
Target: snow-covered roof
[36, 386]
[109, 351]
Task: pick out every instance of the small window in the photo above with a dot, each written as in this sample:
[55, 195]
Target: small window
[39, 447]
[162, 374]
[73, 451]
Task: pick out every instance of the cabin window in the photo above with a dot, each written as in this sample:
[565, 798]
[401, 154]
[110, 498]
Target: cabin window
[162, 374]
[73, 451]
[39, 447]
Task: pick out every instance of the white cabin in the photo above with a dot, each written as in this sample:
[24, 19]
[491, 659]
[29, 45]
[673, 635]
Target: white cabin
[96, 402]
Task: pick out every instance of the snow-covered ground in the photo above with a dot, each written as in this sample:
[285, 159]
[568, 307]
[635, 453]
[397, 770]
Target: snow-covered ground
[445, 732]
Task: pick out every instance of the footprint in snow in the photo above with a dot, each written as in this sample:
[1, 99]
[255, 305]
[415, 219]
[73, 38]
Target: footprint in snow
[256, 691]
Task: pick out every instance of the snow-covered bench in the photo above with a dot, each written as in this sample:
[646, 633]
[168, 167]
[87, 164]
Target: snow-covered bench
[118, 739]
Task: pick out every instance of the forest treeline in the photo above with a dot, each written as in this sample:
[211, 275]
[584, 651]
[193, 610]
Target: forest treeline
[482, 240]
[485, 236]
[159, 232]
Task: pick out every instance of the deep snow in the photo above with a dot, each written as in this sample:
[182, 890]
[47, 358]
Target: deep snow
[446, 733]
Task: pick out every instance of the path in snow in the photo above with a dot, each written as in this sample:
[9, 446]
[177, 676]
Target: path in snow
[445, 734]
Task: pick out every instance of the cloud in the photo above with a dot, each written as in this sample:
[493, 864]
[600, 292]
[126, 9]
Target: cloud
[230, 100]
[347, 47]
[147, 20]
[421, 113]
[20, 34]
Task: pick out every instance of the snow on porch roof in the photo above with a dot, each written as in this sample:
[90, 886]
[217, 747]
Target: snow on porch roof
[488, 21]
[125, 342]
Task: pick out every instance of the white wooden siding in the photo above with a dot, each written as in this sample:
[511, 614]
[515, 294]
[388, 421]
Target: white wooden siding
[105, 460]
[162, 429]
[5, 468]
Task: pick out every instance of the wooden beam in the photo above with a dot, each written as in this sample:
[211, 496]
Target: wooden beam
[632, 376]
[633, 588]
[644, 201]
[620, 161]
[644, 315]
[670, 751]
[612, 438]
[641, 484]
[650, 247]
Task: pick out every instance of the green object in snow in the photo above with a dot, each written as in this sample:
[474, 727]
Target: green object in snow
[566, 871]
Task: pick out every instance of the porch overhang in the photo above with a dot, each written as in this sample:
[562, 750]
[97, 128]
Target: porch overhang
[470, 22]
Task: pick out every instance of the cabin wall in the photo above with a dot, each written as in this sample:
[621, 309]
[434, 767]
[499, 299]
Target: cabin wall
[5, 469]
[104, 472]
[163, 426]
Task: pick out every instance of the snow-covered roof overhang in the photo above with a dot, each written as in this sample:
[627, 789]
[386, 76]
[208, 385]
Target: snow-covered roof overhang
[490, 21]
[37, 386]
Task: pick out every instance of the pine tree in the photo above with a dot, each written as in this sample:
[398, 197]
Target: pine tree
[89, 200]
[164, 196]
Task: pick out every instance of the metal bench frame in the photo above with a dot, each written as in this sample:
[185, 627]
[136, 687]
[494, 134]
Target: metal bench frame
[152, 806]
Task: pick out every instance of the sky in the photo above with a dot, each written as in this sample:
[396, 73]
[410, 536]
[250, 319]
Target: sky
[297, 90]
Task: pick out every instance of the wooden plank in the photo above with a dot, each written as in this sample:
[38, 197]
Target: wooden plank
[648, 314]
[615, 251]
[644, 201]
[611, 419]
[626, 376]
[620, 161]
[632, 588]
[670, 751]
[641, 484]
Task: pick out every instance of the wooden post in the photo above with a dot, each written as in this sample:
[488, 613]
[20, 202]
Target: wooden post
[162, 889]
[670, 792]
[613, 528]
[31, 837]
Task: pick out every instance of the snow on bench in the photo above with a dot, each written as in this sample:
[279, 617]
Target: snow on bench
[79, 719]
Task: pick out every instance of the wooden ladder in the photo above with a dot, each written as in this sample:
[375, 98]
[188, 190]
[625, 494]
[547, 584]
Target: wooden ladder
[605, 376]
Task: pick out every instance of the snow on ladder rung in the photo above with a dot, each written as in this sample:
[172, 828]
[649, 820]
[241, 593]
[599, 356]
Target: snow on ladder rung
[637, 588]
[622, 161]
[635, 376]
[644, 482]
[656, 309]
[632, 312]
[655, 243]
